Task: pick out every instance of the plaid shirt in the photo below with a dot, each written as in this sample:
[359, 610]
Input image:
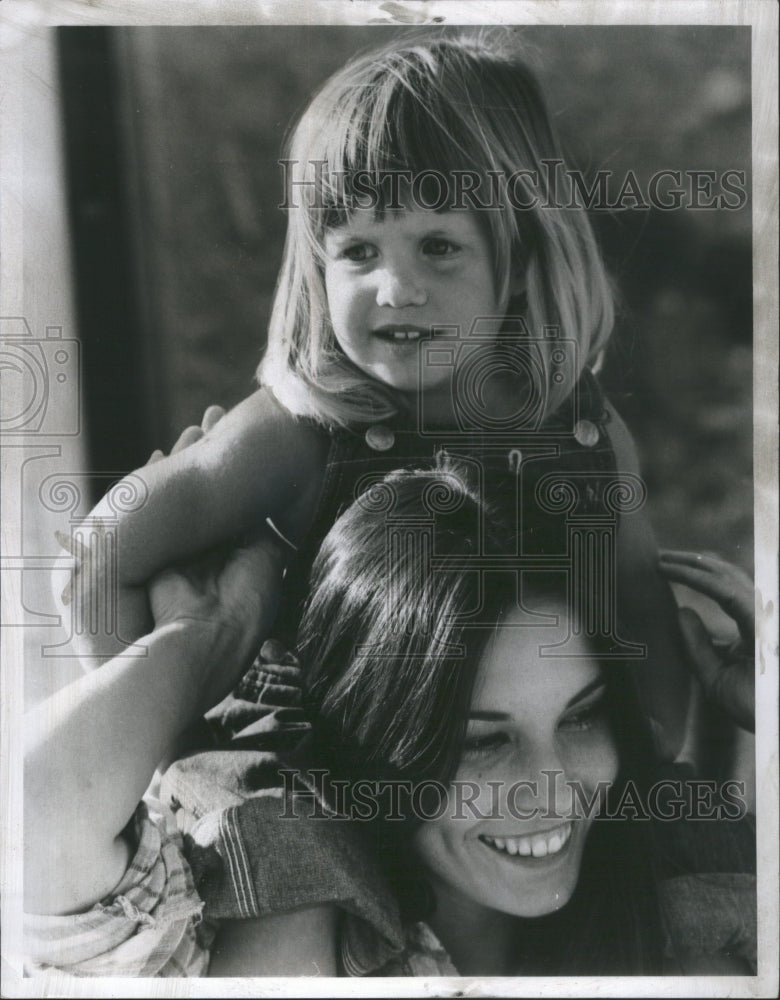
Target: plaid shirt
[149, 926]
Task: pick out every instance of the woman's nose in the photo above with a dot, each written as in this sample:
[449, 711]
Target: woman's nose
[540, 785]
[398, 287]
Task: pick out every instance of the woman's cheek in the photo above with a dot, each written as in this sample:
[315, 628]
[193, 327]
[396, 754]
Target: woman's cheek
[481, 787]
[593, 758]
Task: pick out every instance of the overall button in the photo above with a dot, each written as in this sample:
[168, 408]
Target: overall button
[586, 433]
[380, 438]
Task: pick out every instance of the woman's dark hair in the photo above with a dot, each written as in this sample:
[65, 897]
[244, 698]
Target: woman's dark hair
[396, 623]
[393, 633]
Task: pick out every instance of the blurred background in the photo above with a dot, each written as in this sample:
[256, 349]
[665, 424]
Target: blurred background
[172, 139]
[151, 186]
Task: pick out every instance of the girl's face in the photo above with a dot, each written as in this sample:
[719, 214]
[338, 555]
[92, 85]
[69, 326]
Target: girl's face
[529, 715]
[390, 280]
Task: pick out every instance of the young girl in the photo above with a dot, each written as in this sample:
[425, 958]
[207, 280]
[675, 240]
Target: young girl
[438, 289]
[489, 859]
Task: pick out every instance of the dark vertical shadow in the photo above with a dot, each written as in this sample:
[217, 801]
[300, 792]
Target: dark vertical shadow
[107, 308]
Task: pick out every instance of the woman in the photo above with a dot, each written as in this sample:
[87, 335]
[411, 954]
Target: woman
[443, 684]
[441, 680]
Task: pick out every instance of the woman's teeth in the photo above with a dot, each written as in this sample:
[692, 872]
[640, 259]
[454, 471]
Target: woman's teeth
[540, 845]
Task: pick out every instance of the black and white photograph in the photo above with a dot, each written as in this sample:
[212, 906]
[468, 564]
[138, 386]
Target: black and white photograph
[389, 481]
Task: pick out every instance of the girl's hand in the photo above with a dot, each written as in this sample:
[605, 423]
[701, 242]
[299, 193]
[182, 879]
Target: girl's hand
[727, 674]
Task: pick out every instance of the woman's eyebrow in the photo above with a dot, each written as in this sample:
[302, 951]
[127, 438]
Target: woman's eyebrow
[488, 715]
[596, 683]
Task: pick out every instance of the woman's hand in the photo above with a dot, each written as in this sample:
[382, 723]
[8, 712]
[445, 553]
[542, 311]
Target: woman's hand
[211, 417]
[227, 601]
[727, 674]
[91, 570]
[231, 593]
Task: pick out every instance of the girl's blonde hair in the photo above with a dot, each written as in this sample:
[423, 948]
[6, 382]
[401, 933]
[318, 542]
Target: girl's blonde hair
[447, 104]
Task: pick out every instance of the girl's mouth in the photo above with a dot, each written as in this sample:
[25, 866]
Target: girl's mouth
[536, 846]
[402, 333]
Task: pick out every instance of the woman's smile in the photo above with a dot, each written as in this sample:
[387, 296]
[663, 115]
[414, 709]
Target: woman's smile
[537, 731]
[537, 872]
[547, 844]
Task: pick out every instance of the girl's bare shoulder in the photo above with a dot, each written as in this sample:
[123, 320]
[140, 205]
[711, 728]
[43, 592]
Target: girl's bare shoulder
[261, 424]
[269, 456]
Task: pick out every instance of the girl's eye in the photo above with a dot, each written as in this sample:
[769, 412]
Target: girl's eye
[584, 718]
[437, 246]
[474, 746]
[358, 253]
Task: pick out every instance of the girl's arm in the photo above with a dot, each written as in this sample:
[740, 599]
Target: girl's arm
[94, 746]
[254, 463]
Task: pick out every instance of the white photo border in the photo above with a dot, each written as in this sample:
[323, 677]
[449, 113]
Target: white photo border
[23, 23]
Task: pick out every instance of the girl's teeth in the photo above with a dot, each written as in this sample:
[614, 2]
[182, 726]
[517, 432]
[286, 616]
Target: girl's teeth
[524, 847]
[406, 335]
[539, 848]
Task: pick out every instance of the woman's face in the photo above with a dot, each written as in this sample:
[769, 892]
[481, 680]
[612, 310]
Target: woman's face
[537, 726]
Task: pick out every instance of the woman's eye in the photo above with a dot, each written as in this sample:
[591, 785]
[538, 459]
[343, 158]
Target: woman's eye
[476, 745]
[584, 718]
[439, 247]
[358, 253]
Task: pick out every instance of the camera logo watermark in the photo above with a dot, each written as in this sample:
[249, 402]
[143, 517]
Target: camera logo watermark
[53, 545]
[40, 381]
[469, 365]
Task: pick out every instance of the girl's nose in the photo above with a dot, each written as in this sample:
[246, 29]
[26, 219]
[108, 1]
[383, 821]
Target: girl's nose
[398, 287]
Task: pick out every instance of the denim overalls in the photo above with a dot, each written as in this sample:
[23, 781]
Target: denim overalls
[568, 509]
[567, 505]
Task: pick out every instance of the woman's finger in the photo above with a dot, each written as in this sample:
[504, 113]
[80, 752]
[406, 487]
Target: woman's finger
[191, 434]
[704, 561]
[187, 437]
[212, 416]
[729, 684]
[701, 652]
[727, 585]
[725, 578]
